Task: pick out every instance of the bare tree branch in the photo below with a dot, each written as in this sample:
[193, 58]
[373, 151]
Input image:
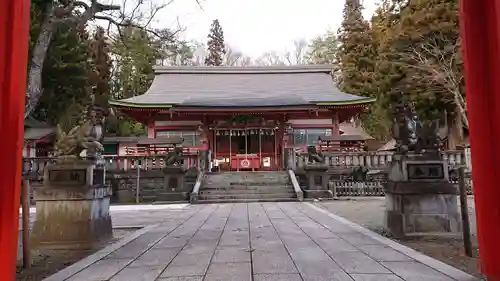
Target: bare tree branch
[92, 9]
[437, 67]
[156, 9]
[126, 24]
[199, 4]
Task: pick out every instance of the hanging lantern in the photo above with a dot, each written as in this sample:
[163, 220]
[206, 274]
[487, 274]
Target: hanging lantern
[261, 132]
[272, 132]
[243, 133]
[263, 122]
[217, 133]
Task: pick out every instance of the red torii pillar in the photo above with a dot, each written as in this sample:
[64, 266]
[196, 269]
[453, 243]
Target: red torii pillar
[14, 31]
[480, 34]
[480, 20]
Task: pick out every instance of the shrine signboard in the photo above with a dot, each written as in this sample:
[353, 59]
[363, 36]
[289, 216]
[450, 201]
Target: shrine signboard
[424, 171]
[76, 177]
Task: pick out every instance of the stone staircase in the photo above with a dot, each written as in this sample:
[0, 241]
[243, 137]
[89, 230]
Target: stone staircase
[246, 187]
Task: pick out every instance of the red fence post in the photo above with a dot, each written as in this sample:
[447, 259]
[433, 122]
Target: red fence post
[480, 27]
[14, 33]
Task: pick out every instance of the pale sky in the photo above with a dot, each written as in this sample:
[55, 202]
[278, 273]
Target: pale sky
[257, 26]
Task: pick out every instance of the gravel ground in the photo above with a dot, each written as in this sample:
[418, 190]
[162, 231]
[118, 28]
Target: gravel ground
[369, 212]
[45, 263]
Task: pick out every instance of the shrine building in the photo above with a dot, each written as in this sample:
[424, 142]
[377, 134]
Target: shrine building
[244, 116]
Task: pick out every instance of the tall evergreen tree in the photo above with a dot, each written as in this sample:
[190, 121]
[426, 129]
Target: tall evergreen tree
[216, 47]
[356, 53]
[422, 53]
[386, 75]
[135, 53]
[418, 57]
[357, 59]
[100, 76]
[65, 95]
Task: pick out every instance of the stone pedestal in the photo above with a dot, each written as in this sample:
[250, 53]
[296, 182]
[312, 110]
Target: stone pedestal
[420, 200]
[317, 181]
[174, 178]
[175, 184]
[72, 207]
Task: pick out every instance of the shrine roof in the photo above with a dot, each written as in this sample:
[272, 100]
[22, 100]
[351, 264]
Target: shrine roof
[37, 133]
[242, 87]
[349, 129]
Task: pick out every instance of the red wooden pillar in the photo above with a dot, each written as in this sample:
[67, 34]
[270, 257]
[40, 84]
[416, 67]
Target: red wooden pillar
[480, 27]
[14, 28]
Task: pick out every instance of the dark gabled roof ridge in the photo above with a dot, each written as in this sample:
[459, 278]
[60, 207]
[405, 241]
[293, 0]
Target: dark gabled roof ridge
[312, 68]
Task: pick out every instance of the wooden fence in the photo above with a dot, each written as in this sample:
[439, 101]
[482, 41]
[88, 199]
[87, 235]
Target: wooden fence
[373, 188]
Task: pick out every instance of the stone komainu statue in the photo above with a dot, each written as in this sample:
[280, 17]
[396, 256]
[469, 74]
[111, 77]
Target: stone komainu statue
[428, 139]
[174, 158]
[404, 127]
[412, 134]
[78, 139]
[314, 156]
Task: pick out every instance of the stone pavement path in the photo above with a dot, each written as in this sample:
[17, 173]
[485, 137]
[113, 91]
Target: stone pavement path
[255, 241]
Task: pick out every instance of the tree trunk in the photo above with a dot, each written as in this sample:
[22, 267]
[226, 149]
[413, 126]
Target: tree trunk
[461, 108]
[34, 89]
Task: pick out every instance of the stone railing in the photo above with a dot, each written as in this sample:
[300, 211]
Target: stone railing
[295, 184]
[196, 188]
[375, 160]
[132, 178]
[33, 166]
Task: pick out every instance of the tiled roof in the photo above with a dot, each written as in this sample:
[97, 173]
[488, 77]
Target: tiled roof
[242, 87]
[37, 133]
[351, 129]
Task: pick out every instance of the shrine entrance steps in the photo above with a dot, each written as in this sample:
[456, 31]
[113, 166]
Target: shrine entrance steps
[246, 187]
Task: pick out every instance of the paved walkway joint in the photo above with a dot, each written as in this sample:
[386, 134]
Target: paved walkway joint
[256, 242]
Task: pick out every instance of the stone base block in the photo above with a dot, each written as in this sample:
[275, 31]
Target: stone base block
[310, 194]
[422, 214]
[76, 224]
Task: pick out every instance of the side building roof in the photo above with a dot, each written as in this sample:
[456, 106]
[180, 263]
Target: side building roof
[242, 87]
